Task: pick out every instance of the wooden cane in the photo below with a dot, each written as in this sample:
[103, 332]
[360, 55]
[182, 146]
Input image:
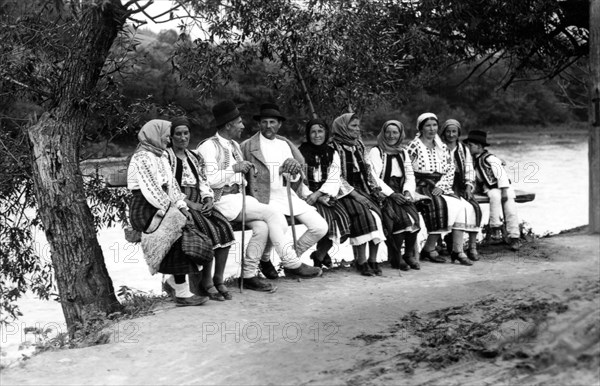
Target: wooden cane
[293, 220]
[243, 236]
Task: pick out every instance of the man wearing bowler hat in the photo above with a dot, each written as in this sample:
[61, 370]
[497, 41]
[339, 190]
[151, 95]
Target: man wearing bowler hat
[225, 169]
[493, 180]
[277, 159]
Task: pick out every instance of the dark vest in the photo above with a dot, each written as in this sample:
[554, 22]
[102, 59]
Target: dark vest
[485, 170]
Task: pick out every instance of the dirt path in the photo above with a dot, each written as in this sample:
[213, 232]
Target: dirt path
[527, 317]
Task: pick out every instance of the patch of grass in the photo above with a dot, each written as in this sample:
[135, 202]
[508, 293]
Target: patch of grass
[97, 326]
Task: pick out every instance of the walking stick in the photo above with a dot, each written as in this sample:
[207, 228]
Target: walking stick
[243, 236]
[293, 220]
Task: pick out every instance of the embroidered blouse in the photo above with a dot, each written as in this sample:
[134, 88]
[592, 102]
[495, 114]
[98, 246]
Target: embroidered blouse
[359, 163]
[433, 160]
[335, 185]
[378, 162]
[153, 176]
[188, 175]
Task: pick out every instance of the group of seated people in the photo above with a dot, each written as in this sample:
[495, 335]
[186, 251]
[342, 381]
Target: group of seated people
[331, 184]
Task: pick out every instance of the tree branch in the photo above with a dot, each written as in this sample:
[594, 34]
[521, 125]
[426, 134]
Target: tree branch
[43, 93]
[142, 9]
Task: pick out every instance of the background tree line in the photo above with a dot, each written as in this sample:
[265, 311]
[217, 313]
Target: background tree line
[154, 87]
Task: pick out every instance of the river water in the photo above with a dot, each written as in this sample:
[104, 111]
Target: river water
[554, 168]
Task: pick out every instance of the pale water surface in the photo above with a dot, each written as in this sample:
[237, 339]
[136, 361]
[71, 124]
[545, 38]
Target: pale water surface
[555, 169]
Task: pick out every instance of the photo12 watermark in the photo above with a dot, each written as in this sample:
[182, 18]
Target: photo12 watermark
[269, 332]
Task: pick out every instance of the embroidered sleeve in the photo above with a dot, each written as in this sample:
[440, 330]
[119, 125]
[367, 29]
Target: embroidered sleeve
[447, 166]
[371, 181]
[413, 153]
[200, 165]
[376, 163]
[216, 176]
[409, 183]
[499, 171]
[146, 167]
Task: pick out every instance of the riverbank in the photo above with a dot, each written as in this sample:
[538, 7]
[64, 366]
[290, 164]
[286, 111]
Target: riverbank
[529, 317]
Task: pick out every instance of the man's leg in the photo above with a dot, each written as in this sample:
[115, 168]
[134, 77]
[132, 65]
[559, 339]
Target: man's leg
[255, 247]
[316, 228]
[495, 196]
[254, 250]
[510, 215]
[278, 236]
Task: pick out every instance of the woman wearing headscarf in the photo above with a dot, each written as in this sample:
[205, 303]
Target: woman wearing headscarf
[190, 174]
[464, 178]
[393, 171]
[326, 188]
[365, 193]
[434, 173]
[154, 190]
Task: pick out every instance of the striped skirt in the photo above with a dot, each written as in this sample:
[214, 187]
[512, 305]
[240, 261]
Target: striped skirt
[215, 226]
[399, 217]
[178, 263]
[445, 212]
[459, 188]
[434, 210]
[141, 211]
[337, 218]
[362, 218]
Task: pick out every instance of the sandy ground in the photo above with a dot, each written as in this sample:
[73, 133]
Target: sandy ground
[531, 317]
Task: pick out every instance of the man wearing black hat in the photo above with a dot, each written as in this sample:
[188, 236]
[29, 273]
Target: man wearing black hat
[494, 181]
[276, 159]
[225, 169]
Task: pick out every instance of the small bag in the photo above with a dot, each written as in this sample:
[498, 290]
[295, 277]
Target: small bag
[157, 244]
[196, 245]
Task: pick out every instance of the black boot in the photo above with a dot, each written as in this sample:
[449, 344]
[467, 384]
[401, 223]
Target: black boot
[267, 269]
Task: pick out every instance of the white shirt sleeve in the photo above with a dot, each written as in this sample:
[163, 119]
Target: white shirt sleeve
[470, 175]
[447, 165]
[205, 190]
[409, 182]
[216, 177]
[331, 186]
[376, 162]
[499, 171]
[175, 194]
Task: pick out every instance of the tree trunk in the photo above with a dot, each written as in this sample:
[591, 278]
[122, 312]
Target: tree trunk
[83, 282]
[594, 141]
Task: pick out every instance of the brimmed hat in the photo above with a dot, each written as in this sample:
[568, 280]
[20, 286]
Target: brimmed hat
[224, 112]
[477, 136]
[269, 110]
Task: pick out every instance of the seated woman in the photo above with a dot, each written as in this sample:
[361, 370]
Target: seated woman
[365, 214]
[326, 188]
[189, 171]
[464, 179]
[393, 171]
[154, 190]
[434, 173]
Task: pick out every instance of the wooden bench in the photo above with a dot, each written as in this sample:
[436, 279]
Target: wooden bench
[114, 172]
